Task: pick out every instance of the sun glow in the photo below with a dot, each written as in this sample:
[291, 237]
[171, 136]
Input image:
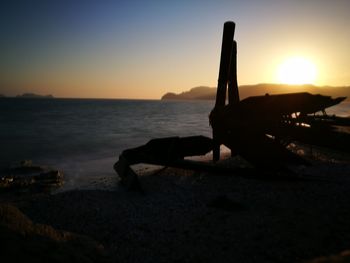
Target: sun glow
[297, 70]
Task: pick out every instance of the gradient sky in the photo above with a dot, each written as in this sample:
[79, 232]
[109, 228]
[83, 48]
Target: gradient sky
[142, 49]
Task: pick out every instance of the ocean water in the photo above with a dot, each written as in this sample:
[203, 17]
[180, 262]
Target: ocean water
[84, 137]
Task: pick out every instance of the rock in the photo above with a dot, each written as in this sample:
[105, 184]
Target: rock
[27, 175]
[24, 241]
[343, 257]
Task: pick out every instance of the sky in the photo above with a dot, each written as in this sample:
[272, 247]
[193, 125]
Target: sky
[144, 48]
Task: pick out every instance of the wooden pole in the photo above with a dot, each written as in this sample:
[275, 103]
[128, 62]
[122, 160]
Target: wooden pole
[233, 94]
[226, 50]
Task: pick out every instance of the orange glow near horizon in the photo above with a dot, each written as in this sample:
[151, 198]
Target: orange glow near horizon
[122, 50]
[297, 70]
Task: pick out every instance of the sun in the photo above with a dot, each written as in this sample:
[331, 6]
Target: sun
[297, 70]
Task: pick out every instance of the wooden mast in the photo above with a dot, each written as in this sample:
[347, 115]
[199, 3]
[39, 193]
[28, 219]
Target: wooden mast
[225, 60]
[226, 50]
[233, 94]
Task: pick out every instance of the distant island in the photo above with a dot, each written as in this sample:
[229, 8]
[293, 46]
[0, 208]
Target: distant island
[33, 95]
[209, 93]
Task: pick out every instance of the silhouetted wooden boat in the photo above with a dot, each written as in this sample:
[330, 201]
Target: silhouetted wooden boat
[258, 128]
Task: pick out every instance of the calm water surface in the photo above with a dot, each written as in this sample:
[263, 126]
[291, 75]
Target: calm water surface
[85, 137]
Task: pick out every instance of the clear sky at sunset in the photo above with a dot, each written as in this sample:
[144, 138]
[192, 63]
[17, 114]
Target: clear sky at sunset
[143, 49]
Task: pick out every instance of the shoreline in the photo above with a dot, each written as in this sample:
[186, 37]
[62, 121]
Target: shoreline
[200, 217]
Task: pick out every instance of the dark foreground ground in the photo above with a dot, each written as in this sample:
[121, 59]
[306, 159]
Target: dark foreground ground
[186, 216]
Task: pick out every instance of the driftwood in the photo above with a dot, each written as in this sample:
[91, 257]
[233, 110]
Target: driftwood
[257, 128]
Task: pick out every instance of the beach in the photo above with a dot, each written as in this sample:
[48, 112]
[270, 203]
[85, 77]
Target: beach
[182, 215]
[188, 216]
[175, 131]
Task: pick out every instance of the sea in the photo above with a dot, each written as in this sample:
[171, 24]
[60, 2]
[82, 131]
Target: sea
[84, 137]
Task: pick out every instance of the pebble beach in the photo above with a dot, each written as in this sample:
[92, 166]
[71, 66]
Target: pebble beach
[189, 216]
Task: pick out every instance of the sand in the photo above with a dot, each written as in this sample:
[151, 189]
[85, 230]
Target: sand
[187, 216]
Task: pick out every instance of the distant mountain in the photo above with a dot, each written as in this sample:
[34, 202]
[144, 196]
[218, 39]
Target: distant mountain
[193, 94]
[207, 93]
[2, 96]
[33, 95]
